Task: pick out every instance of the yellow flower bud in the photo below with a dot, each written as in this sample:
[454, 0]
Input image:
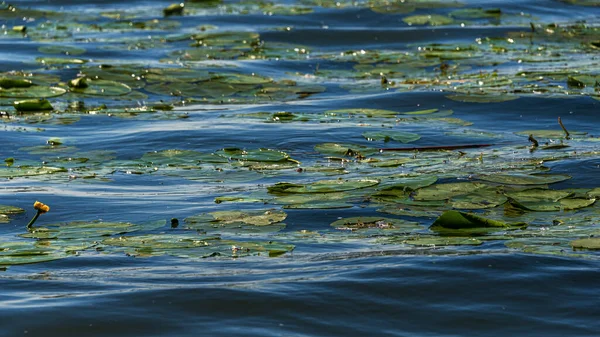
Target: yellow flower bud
[40, 207]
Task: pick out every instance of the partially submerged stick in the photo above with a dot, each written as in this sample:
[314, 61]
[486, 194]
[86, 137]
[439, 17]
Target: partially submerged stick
[435, 148]
[563, 127]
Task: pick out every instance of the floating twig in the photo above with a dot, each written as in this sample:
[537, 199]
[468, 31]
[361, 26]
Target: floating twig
[41, 209]
[563, 127]
[436, 148]
[534, 141]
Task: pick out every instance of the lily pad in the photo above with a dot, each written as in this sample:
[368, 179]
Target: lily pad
[588, 243]
[81, 230]
[524, 179]
[27, 252]
[58, 49]
[34, 91]
[442, 241]
[254, 217]
[432, 20]
[462, 220]
[386, 136]
[103, 88]
[323, 186]
[368, 222]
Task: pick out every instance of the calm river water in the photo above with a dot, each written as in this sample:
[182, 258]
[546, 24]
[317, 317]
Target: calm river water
[473, 72]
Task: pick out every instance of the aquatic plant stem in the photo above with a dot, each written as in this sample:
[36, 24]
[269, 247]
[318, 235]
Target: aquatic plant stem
[34, 219]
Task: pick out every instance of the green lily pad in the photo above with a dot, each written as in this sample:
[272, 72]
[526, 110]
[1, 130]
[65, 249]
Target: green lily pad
[323, 186]
[81, 230]
[443, 241]
[34, 91]
[363, 112]
[350, 150]
[258, 155]
[193, 246]
[447, 190]
[524, 179]
[28, 171]
[6, 210]
[368, 222]
[432, 20]
[254, 217]
[588, 243]
[386, 136]
[27, 252]
[461, 220]
[58, 49]
[565, 204]
[59, 60]
[103, 88]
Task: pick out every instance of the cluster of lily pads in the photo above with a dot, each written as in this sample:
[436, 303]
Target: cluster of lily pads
[536, 58]
[430, 198]
[497, 194]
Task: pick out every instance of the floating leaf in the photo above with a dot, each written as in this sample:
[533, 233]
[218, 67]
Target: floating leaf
[404, 137]
[432, 20]
[364, 112]
[34, 91]
[541, 205]
[102, 88]
[58, 49]
[442, 241]
[350, 150]
[258, 155]
[524, 179]
[462, 220]
[366, 222]
[323, 186]
[81, 230]
[27, 252]
[588, 243]
[254, 218]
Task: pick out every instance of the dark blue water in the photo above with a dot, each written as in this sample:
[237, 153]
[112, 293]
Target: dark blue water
[343, 287]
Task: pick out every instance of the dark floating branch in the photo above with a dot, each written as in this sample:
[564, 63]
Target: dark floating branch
[534, 141]
[563, 127]
[436, 148]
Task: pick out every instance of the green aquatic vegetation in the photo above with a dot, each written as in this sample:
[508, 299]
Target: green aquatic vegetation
[431, 20]
[456, 223]
[61, 49]
[6, 211]
[254, 217]
[323, 186]
[99, 87]
[32, 105]
[476, 13]
[374, 222]
[27, 252]
[545, 205]
[256, 155]
[387, 135]
[192, 246]
[524, 179]
[83, 230]
[587, 243]
[32, 91]
[18, 171]
[432, 241]
[347, 150]
[238, 221]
